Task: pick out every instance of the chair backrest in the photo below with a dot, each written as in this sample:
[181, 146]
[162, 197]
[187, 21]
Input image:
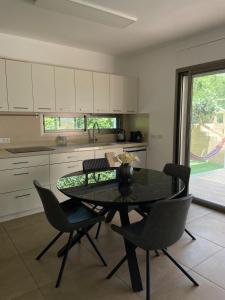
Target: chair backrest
[165, 224]
[95, 164]
[53, 211]
[180, 171]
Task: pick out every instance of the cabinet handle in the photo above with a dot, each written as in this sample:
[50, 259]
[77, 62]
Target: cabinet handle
[20, 162]
[21, 196]
[17, 174]
[117, 110]
[71, 157]
[70, 167]
[45, 108]
[131, 111]
[20, 107]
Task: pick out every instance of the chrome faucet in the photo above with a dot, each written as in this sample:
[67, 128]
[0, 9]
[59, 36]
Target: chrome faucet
[93, 139]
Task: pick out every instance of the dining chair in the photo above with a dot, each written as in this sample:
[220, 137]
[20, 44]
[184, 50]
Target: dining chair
[67, 217]
[157, 231]
[179, 171]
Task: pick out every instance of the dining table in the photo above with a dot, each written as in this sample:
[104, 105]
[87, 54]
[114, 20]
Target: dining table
[106, 189]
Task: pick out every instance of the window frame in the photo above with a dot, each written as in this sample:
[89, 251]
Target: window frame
[80, 131]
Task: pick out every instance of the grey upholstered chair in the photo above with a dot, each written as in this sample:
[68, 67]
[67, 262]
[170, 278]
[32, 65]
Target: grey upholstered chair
[66, 217]
[160, 229]
[98, 164]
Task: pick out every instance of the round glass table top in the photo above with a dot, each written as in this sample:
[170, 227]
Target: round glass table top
[105, 189]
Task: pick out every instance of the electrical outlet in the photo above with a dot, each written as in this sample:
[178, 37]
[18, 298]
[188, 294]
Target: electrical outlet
[4, 140]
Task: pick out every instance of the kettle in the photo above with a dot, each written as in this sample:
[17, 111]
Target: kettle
[121, 136]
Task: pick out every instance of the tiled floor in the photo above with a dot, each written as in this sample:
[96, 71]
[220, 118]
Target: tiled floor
[23, 278]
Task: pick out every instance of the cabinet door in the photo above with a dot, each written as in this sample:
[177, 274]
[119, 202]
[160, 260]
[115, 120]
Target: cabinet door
[84, 91]
[43, 88]
[19, 84]
[116, 94]
[101, 92]
[65, 89]
[131, 95]
[3, 90]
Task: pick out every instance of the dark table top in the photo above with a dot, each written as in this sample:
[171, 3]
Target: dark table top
[105, 189]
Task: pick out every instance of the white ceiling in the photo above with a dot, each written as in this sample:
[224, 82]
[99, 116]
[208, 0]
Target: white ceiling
[159, 21]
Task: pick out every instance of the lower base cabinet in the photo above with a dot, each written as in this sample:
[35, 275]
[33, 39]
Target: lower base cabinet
[19, 202]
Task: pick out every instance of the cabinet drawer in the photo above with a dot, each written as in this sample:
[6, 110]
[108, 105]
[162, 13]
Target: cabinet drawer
[59, 170]
[17, 202]
[60, 196]
[101, 153]
[19, 179]
[71, 156]
[21, 162]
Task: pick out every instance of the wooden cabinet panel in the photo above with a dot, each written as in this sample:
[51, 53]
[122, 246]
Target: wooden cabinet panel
[65, 89]
[116, 94]
[19, 85]
[43, 88]
[101, 92]
[84, 91]
[3, 89]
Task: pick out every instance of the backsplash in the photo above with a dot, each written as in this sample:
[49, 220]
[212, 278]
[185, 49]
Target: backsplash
[26, 131]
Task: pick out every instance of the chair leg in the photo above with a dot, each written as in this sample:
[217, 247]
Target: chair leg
[95, 248]
[188, 232]
[156, 252]
[140, 212]
[110, 215]
[179, 266]
[147, 275]
[122, 261]
[49, 245]
[64, 260]
[98, 230]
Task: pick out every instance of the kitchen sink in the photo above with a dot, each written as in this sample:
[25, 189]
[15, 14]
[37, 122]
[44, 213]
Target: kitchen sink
[29, 149]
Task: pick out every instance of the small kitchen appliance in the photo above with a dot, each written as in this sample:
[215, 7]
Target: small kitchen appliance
[136, 136]
[121, 135]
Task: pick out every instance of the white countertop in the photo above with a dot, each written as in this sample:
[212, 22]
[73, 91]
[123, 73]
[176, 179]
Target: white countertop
[72, 148]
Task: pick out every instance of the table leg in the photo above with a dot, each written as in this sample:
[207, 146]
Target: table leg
[135, 276]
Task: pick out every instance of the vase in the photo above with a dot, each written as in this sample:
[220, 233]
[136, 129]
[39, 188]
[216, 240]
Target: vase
[125, 172]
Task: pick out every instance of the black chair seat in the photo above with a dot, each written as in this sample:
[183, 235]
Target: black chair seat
[79, 214]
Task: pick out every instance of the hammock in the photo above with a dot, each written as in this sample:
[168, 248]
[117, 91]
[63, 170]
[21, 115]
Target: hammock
[209, 155]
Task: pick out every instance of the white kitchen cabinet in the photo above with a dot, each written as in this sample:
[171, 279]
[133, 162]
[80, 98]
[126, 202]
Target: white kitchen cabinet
[3, 89]
[19, 85]
[19, 202]
[23, 162]
[65, 89]
[130, 95]
[101, 92]
[43, 88]
[116, 94]
[101, 153]
[71, 156]
[84, 91]
[59, 170]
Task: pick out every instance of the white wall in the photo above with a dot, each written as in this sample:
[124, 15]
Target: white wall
[20, 48]
[156, 69]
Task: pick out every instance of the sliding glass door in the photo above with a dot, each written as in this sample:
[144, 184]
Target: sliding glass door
[200, 130]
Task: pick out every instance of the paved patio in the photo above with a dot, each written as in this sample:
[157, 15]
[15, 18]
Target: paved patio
[209, 186]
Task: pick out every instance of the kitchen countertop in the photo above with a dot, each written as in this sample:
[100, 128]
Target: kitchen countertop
[71, 148]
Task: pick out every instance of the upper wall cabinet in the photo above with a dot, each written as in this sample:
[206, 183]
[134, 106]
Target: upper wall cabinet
[65, 89]
[101, 93]
[116, 94]
[130, 95]
[84, 91]
[3, 90]
[43, 88]
[19, 84]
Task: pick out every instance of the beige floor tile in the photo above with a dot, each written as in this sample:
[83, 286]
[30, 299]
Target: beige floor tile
[46, 269]
[184, 289]
[89, 284]
[33, 295]
[15, 280]
[197, 211]
[7, 248]
[213, 268]
[191, 253]
[209, 228]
